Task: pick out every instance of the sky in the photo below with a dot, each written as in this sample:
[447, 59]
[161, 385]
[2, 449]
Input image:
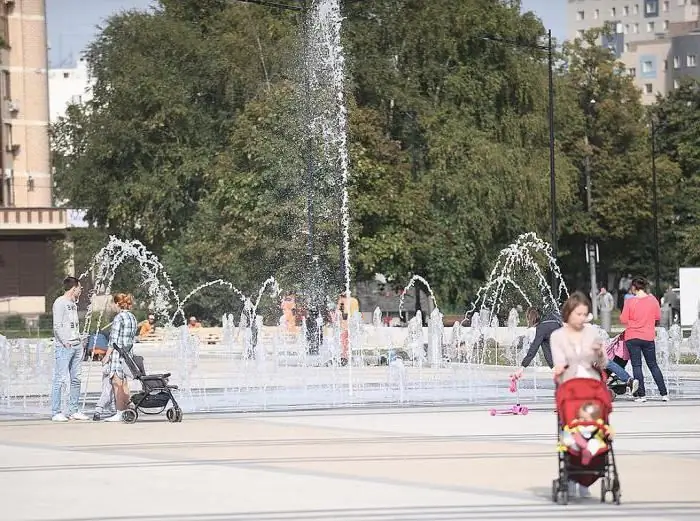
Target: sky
[72, 24]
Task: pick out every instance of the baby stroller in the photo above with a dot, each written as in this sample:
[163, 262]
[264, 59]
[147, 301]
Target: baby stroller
[570, 397]
[616, 351]
[155, 395]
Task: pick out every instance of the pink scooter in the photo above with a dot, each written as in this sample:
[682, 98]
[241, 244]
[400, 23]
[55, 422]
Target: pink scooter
[515, 410]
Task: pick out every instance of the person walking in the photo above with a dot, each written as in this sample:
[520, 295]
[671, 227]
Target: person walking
[577, 351]
[68, 351]
[640, 314]
[606, 304]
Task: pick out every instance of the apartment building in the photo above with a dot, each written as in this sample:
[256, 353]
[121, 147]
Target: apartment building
[68, 86]
[29, 221]
[657, 40]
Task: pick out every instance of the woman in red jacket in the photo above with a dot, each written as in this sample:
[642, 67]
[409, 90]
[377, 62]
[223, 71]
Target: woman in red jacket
[640, 315]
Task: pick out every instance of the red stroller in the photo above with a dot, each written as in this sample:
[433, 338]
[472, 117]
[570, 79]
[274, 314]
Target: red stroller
[570, 396]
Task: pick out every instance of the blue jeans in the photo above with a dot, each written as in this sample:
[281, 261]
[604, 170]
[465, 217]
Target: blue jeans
[647, 349]
[618, 371]
[68, 360]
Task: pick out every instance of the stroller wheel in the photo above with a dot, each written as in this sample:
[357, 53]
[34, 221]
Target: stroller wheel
[130, 416]
[174, 415]
[604, 487]
[616, 491]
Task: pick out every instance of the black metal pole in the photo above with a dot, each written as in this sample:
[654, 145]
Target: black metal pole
[552, 172]
[655, 210]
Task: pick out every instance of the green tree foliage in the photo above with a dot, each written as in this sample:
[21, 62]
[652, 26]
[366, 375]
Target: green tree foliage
[677, 119]
[195, 144]
[608, 131]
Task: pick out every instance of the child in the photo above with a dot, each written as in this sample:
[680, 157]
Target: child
[106, 400]
[587, 434]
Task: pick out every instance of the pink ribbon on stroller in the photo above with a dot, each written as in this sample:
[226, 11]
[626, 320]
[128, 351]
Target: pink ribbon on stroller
[618, 348]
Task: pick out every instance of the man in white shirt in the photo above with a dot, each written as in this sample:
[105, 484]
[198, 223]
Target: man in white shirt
[68, 347]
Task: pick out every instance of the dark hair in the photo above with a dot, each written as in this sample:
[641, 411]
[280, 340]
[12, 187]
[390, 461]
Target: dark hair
[576, 299]
[69, 283]
[533, 316]
[639, 283]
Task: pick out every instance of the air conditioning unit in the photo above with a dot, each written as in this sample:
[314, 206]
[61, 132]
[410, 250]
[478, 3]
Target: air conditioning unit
[13, 106]
[12, 148]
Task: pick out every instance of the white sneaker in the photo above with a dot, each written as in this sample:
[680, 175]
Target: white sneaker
[640, 399]
[79, 416]
[665, 398]
[60, 417]
[116, 418]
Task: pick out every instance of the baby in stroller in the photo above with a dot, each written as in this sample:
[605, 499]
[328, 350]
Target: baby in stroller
[585, 439]
[588, 435]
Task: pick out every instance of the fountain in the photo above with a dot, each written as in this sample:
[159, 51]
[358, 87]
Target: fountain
[258, 366]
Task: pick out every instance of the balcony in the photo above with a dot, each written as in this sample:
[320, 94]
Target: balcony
[33, 219]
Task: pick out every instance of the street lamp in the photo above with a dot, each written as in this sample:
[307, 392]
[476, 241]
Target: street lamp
[552, 173]
[655, 210]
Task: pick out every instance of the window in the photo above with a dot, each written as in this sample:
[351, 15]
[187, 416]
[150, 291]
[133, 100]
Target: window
[647, 66]
[626, 10]
[627, 47]
[580, 15]
[632, 72]
[665, 25]
[635, 28]
[618, 28]
[596, 14]
[676, 84]
[66, 75]
[613, 12]
[636, 9]
[648, 88]
[579, 34]
[8, 135]
[6, 91]
[676, 62]
[665, 7]
[650, 27]
[651, 8]
[665, 65]
[690, 60]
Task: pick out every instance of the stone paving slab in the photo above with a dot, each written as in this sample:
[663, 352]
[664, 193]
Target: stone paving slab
[421, 464]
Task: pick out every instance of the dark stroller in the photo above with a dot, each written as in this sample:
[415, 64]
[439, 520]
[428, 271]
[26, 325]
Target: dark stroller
[155, 395]
[570, 396]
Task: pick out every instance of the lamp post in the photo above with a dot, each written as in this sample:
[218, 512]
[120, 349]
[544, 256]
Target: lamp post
[655, 211]
[549, 48]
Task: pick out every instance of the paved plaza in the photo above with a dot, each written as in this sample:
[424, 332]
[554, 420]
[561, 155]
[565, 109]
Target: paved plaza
[411, 464]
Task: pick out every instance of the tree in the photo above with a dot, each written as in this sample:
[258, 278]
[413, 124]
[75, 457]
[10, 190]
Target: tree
[609, 136]
[678, 138]
[165, 100]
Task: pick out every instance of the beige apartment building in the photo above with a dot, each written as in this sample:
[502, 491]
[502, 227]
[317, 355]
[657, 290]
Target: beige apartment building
[657, 40]
[29, 222]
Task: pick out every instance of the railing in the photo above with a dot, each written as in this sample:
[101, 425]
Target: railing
[33, 219]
